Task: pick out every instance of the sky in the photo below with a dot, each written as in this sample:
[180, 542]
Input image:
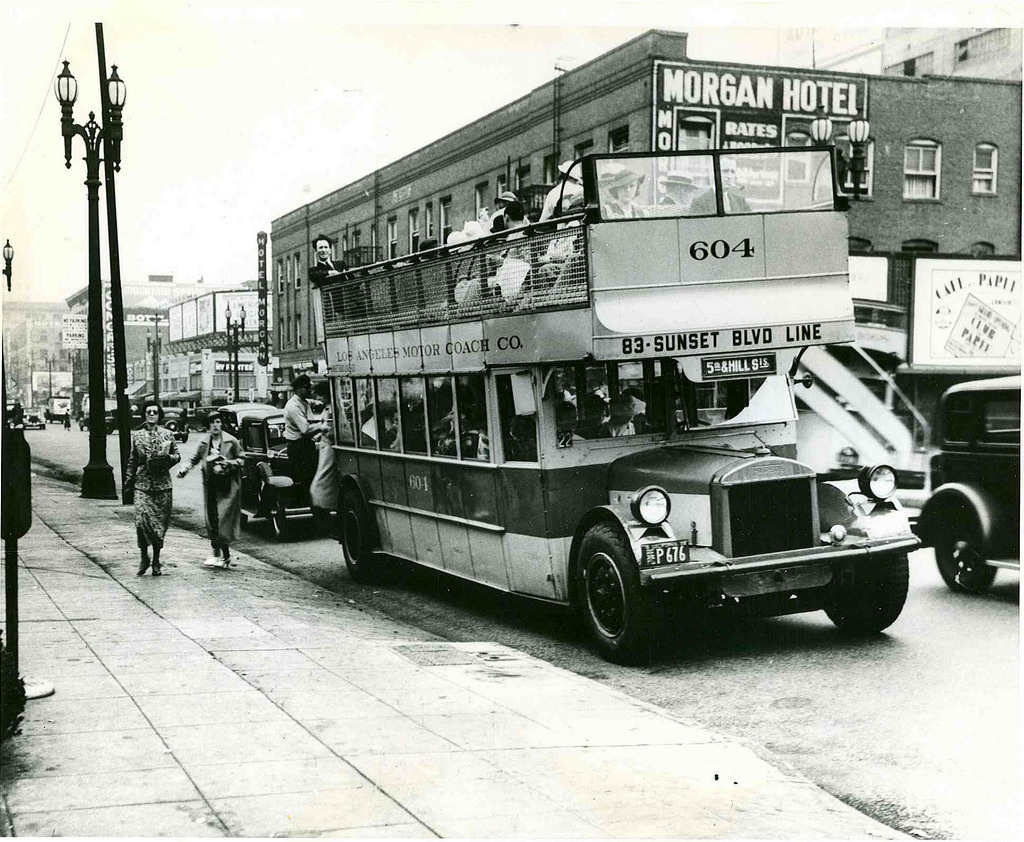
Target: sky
[238, 112]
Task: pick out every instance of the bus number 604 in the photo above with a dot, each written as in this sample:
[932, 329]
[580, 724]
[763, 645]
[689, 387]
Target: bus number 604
[720, 249]
[418, 482]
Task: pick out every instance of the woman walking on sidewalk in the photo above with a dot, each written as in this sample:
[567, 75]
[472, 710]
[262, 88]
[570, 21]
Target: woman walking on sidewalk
[154, 452]
[221, 458]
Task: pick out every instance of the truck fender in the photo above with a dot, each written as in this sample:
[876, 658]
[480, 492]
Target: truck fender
[955, 499]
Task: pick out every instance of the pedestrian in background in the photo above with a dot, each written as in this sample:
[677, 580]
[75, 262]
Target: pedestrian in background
[323, 492]
[154, 452]
[67, 420]
[220, 455]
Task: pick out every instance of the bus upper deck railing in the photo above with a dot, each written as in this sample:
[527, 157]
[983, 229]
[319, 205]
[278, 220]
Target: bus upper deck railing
[526, 270]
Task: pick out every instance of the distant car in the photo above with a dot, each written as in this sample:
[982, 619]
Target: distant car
[972, 518]
[35, 418]
[268, 487]
[176, 420]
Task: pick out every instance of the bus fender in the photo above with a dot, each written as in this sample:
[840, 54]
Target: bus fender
[953, 501]
[620, 517]
[356, 483]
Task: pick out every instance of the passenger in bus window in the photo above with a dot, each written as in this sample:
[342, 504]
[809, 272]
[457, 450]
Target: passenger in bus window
[521, 439]
[619, 420]
[390, 437]
[733, 200]
[594, 415]
[678, 192]
[620, 192]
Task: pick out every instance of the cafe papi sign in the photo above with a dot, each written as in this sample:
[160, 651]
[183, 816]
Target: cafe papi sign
[967, 314]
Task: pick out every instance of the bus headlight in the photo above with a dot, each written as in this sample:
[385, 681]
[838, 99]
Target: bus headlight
[650, 505]
[878, 481]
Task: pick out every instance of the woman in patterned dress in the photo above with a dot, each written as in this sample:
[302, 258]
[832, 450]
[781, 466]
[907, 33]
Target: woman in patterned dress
[154, 452]
[220, 455]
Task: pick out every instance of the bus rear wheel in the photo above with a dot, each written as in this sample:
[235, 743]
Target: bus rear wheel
[358, 538]
[960, 562]
[873, 600]
[610, 597]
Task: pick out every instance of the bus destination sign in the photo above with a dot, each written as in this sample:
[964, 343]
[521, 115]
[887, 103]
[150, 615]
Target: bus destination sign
[747, 365]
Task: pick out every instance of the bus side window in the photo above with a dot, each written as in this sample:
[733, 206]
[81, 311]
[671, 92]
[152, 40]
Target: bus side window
[367, 420]
[387, 414]
[472, 400]
[440, 416]
[343, 406]
[518, 432]
[414, 422]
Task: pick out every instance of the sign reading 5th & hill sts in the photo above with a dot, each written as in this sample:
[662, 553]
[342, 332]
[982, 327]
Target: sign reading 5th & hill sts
[967, 314]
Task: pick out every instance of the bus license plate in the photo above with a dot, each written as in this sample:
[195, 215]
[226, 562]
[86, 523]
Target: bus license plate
[747, 365]
[658, 555]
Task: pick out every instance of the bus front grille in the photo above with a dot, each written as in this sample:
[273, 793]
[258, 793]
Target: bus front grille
[771, 517]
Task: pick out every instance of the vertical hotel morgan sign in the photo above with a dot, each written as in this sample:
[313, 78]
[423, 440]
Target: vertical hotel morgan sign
[263, 329]
[697, 106]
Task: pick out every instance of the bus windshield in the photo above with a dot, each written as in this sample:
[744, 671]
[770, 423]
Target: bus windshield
[753, 400]
[775, 181]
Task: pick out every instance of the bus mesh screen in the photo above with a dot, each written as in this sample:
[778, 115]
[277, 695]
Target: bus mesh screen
[484, 278]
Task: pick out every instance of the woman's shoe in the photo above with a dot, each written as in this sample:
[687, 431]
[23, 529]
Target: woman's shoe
[157, 571]
[143, 567]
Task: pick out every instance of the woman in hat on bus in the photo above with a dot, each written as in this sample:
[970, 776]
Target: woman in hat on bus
[619, 195]
[220, 455]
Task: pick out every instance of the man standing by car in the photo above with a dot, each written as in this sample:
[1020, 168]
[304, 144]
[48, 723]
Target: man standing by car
[299, 433]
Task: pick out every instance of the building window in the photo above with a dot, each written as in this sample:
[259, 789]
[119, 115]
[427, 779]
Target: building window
[618, 139]
[298, 331]
[414, 230]
[985, 45]
[479, 198]
[982, 249]
[920, 246]
[858, 244]
[428, 214]
[696, 133]
[373, 239]
[392, 237]
[522, 177]
[298, 270]
[289, 275]
[280, 332]
[582, 148]
[501, 184]
[921, 162]
[918, 66]
[986, 160]
[445, 220]
[550, 169]
[280, 275]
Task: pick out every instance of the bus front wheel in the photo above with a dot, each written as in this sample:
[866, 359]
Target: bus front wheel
[873, 600]
[358, 538]
[610, 597]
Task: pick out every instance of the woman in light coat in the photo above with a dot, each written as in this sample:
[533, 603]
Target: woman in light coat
[220, 455]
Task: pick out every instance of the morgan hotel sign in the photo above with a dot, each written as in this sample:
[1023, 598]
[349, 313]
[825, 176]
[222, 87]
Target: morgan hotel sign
[696, 106]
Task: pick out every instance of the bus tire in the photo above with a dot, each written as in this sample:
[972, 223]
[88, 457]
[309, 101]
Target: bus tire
[358, 538]
[610, 597]
[873, 600]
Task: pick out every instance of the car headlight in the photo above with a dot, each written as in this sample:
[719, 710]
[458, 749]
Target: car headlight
[878, 481]
[650, 505]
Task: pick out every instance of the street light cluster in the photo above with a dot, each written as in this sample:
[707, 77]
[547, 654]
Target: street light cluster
[235, 328]
[858, 131]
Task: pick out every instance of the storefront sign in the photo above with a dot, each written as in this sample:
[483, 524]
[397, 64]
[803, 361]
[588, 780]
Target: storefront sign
[221, 366]
[262, 317]
[734, 106]
[967, 313]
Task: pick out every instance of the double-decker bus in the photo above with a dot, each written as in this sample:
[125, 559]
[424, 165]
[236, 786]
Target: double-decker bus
[599, 411]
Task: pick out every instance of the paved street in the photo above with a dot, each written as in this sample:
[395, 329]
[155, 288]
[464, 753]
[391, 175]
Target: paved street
[252, 703]
[891, 725]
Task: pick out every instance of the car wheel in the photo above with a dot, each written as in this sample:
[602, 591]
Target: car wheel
[960, 562]
[873, 599]
[358, 538]
[610, 597]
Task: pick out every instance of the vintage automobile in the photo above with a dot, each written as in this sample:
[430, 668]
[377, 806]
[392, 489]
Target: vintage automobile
[972, 518]
[35, 418]
[268, 488]
[176, 420]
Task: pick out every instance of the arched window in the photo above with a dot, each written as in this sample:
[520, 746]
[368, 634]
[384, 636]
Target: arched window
[922, 163]
[921, 246]
[982, 249]
[858, 244]
[986, 164]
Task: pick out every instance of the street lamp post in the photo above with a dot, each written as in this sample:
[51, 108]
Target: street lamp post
[235, 329]
[97, 476]
[49, 372]
[153, 344]
[858, 131]
[8, 257]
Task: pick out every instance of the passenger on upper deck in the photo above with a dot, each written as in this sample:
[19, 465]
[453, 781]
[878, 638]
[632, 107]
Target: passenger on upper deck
[498, 221]
[679, 191]
[557, 202]
[732, 199]
[325, 265]
[619, 192]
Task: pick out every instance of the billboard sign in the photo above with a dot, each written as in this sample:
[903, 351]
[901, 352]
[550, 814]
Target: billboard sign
[262, 310]
[188, 318]
[74, 331]
[61, 381]
[699, 106]
[204, 315]
[235, 301]
[966, 314]
[174, 319]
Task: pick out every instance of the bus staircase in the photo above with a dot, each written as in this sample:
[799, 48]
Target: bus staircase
[875, 431]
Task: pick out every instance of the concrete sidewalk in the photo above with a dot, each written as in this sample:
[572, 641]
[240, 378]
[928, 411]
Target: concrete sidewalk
[249, 702]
